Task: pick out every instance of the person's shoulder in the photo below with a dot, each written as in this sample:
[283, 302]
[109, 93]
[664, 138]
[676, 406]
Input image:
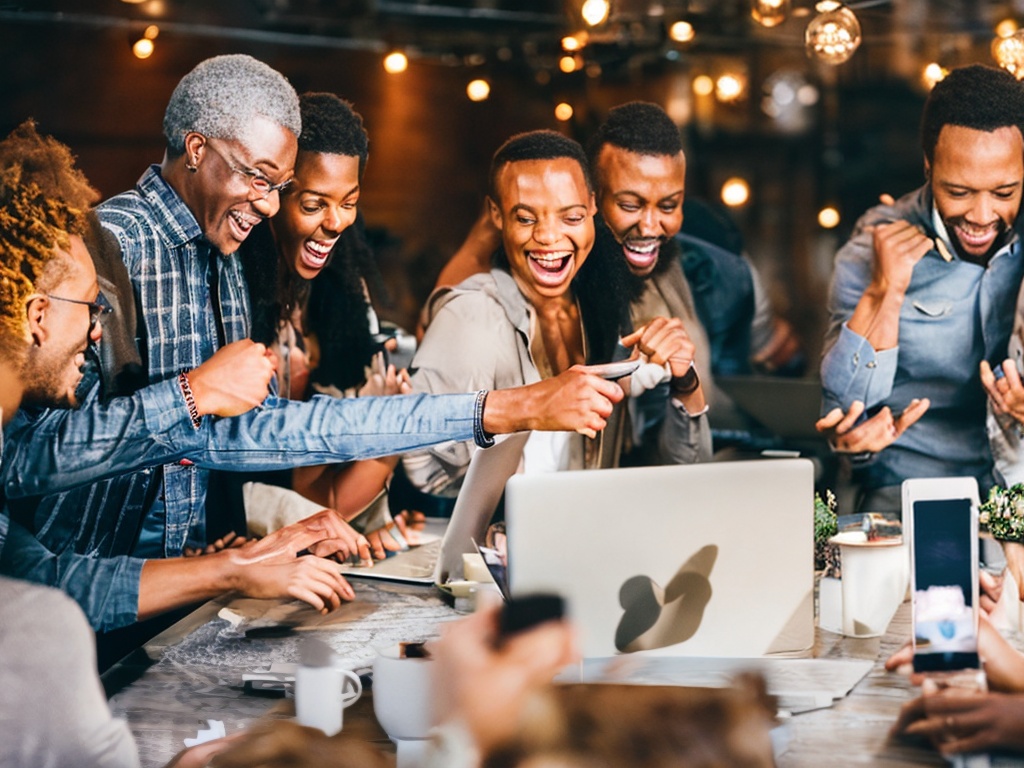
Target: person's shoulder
[479, 290]
[477, 299]
[51, 606]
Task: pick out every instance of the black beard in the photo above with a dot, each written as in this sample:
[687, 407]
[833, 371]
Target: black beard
[668, 251]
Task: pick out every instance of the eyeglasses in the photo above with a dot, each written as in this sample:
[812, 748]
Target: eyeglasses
[96, 308]
[259, 183]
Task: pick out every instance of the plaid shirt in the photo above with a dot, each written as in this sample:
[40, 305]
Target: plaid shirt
[92, 530]
[169, 263]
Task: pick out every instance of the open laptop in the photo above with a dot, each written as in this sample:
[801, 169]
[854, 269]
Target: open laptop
[701, 560]
[786, 407]
[441, 560]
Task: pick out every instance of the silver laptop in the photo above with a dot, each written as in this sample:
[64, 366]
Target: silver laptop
[441, 559]
[702, 560]
[786, 407]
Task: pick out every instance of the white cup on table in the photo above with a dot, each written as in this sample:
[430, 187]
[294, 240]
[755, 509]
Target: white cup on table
[403, 701]
[876, 575]
[321, 695]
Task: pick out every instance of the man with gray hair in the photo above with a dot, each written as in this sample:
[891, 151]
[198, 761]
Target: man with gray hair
[178, 230]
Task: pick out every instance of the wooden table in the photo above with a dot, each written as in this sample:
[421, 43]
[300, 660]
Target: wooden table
[198, 677]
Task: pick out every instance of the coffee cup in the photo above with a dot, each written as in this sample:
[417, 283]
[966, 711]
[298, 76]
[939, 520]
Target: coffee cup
[321, 695]
[876, 575]
[403, 699]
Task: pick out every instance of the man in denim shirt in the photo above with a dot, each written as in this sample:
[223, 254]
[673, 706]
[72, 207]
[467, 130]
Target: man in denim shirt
[177, 231]
[924, 292]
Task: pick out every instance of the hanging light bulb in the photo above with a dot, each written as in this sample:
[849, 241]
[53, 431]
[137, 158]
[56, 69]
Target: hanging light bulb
[1009, 53]
[143, 48]
[478, 90]
[735, 192]
[834, 34]
[933, 73]
[769, 13]
[595, 11]
[563, 112]
[395, 62]
[681, 32]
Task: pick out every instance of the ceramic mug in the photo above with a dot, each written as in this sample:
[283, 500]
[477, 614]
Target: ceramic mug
[403, 694]
[875, 579]
[321, 695]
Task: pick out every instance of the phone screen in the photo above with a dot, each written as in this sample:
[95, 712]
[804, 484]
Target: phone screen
[945, 573]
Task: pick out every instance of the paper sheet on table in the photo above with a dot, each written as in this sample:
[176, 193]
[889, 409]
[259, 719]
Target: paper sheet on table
[799, 684]
[245, 613]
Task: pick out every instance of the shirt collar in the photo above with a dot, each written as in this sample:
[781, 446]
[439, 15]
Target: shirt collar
[176, 223]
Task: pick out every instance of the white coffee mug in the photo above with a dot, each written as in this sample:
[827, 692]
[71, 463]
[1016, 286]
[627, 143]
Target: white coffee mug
[321, 695]
[875, 580]
[403, 694]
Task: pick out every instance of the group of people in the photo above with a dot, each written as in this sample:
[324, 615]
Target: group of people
[187, 330]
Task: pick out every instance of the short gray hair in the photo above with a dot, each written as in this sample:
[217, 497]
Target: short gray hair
[222, 95]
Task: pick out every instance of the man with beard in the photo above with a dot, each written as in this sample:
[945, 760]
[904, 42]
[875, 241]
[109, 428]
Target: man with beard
[923, 294]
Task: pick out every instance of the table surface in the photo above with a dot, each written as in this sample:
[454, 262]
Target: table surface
[200, 660]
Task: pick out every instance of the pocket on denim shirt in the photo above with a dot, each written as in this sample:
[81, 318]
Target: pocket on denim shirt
[933, 308]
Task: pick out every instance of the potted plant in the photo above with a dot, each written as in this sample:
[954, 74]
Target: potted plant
[828, 596]
[826, 553]
[1002, 513]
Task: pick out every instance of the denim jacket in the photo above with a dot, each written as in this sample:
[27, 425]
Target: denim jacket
[955, 315]
[84, 533]
[141, 453]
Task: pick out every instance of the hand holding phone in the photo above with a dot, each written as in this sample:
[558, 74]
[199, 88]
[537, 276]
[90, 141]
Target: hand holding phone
[613, 371]
[526, 611]
[942, 518]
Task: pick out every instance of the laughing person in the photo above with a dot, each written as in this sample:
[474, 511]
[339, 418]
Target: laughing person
[549, 302]
[924, 293]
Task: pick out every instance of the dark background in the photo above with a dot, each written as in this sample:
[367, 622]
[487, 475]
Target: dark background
[70, 66]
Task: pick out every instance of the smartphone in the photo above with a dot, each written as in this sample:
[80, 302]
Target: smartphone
[941, 519]
[525, 611]
[613, 371]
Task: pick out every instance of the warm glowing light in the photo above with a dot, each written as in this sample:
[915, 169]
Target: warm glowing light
[563, 111]
[735, 192]
[703, 85]
[567, 64]
[478, 90]
[1009, 53]
[152, 31]
[133, 2]
[769, 13]
[395, 62]
[570, 43]
[828, 217]
[1006, 27]
[681, 32]
[834, 34]
[143, 48]
[932, 74]
[594, 11]
[730, 87]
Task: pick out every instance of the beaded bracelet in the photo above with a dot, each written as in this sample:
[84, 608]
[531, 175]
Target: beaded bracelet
[190, 400]
[480, 437]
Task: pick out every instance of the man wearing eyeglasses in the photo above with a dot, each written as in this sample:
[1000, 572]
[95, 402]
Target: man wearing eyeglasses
[231, 130]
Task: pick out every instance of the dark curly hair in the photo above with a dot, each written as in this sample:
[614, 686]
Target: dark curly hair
[335, 304]
[536, 145]
[637, 126]
[44, 200]
[976, 96]
[331, 127]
